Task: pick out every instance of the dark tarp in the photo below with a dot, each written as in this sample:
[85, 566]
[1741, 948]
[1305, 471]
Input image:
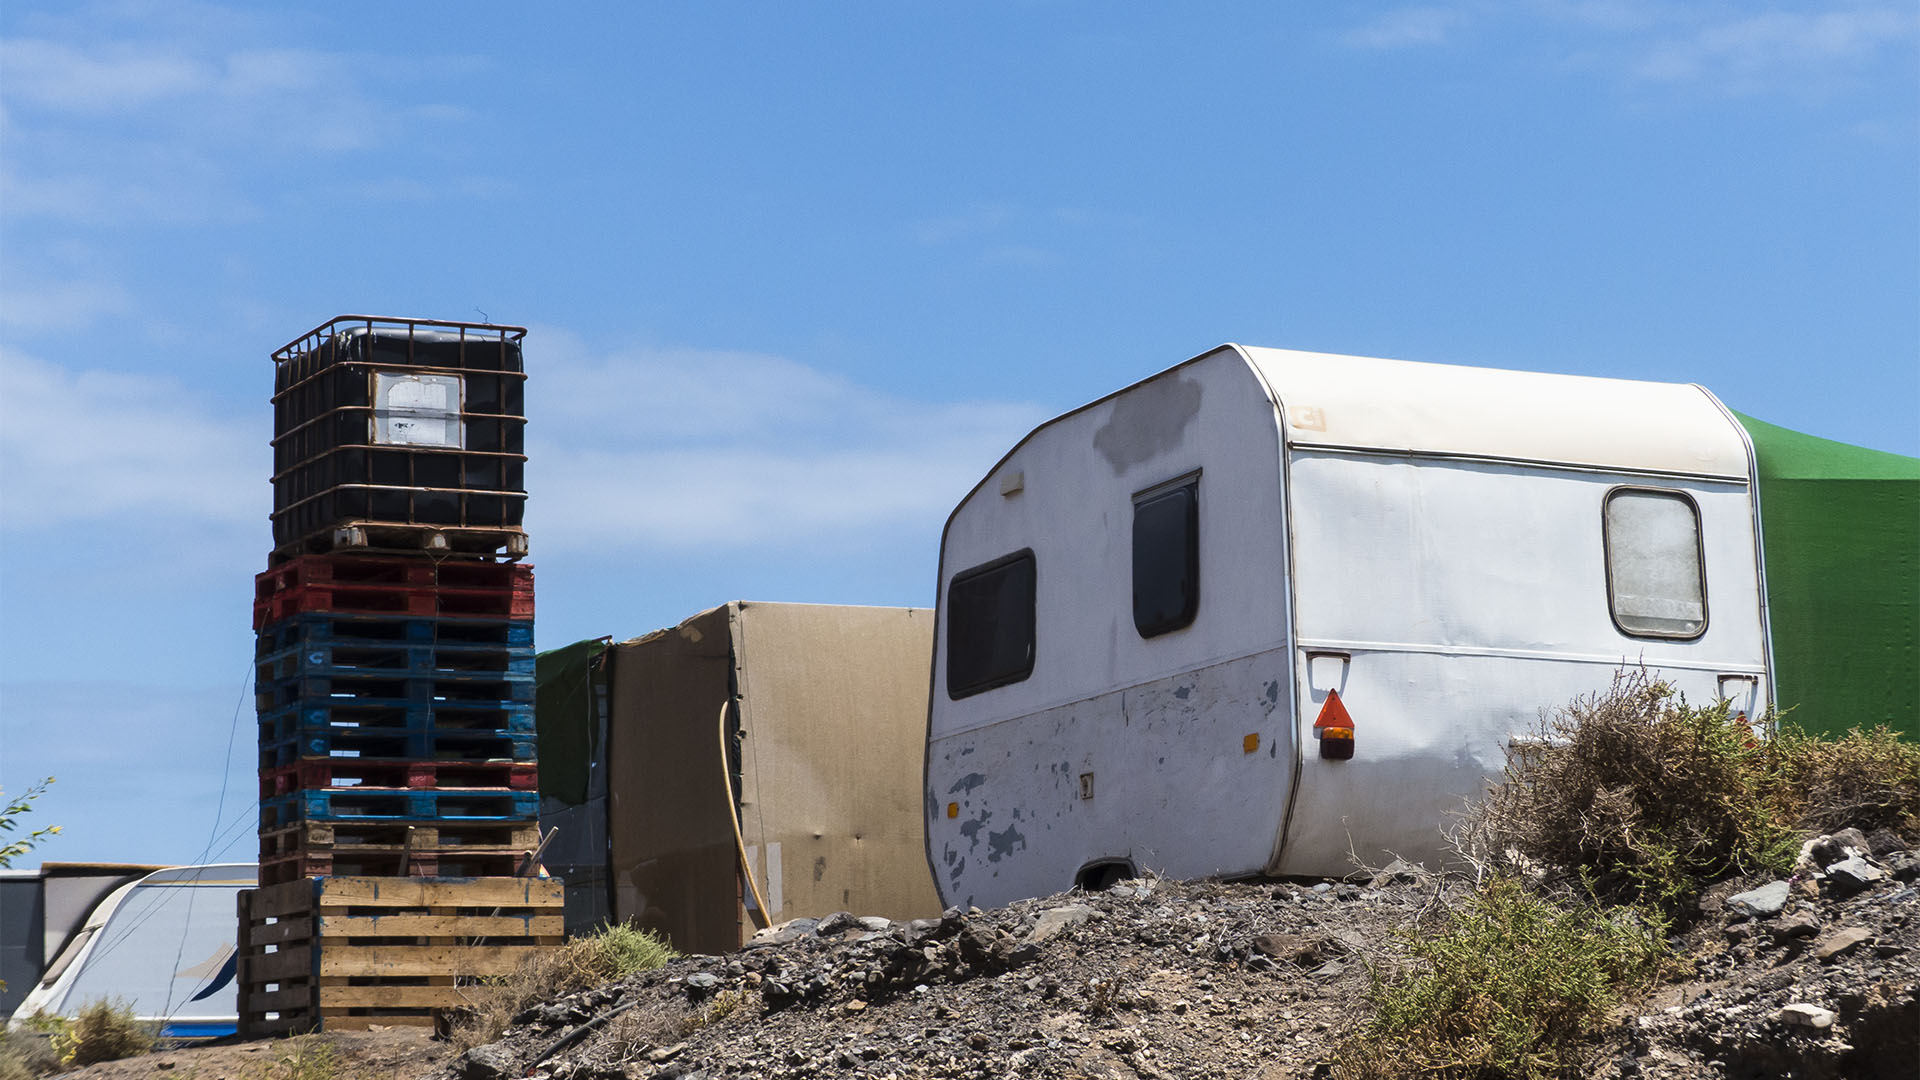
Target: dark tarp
[567, 717]
[1841, 528]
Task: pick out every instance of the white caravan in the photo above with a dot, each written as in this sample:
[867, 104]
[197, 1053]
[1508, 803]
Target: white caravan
[163, 946]
[1150, 603]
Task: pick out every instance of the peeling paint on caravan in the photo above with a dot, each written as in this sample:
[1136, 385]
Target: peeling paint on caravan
[1159, 593]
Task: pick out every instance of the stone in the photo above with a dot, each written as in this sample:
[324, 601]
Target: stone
[835, 923]
[1054, 920]
[1768, 899]
[1853, 874]
[1903, 866]
[1825, 850]
[1398, 872]
[1801, 1014]
[1837, 943]
[1796, 924]
[702, 982]
[874, 924]
[1885, 842]
[666, 1053]
[490, 1062]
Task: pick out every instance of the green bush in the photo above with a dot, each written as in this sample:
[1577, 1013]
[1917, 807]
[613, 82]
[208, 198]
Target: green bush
[1645, 797]
[1505, 990]
[103, 1031]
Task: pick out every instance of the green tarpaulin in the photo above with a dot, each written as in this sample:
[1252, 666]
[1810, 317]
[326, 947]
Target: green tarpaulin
[566, 714]
[1841, 535]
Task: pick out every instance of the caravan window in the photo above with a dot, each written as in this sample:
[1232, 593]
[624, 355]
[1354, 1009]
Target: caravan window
[990, 625]
[1166, 558]
[1656, 579]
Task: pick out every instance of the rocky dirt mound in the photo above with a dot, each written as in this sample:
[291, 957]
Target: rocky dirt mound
[1150, 978]
[1814, 976]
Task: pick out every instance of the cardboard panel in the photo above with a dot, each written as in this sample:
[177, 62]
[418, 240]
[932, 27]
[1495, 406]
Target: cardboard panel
[834, 711]
[672, 854]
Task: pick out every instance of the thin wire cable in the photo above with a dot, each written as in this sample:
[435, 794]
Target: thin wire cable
[213, 836]
[106, 947]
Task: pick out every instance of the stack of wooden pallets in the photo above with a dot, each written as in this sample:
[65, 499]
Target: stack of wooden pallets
[350, 952]
[399, 800]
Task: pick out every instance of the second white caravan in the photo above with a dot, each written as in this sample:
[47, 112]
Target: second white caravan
[1268, 608]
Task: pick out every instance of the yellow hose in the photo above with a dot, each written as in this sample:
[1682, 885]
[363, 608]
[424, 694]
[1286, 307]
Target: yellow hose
[733, 812]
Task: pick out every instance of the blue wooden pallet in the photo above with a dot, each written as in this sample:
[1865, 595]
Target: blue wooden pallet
[321, 626]
[498, 716]
[349, 656]
[396, 690]
[401, 804]
[411, 744]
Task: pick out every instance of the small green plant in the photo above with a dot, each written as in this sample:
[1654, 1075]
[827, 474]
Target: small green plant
[308, 1057]
[1506, 990]
[610, 953]
[623, 949]
[10, 814]
[723, 1005]
[103, 1031]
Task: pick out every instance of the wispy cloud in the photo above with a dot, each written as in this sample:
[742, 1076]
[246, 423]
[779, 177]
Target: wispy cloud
[1721, 48]
[1747, 54]
[682, 447]
[140, 119]
[81, 446]
[1407, 27]
[59, 305]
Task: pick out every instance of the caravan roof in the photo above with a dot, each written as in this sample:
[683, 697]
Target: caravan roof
[1359, 402]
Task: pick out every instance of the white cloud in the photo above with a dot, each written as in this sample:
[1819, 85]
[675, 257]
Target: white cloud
[1728, 48]
[111, 77]
[1407, 27]
[140, 118]
[84, 446]
[58, 305]
[681, 447]
[1749, 53]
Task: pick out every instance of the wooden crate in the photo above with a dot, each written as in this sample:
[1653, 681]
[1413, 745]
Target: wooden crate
[348, 953]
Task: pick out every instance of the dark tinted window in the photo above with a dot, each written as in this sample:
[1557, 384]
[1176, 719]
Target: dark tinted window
[990, 625]
[1166, 559]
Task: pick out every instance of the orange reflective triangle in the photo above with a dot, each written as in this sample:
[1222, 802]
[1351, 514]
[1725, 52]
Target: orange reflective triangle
[1333, 714]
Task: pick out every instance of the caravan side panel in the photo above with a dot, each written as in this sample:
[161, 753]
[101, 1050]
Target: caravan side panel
[1451, 603]
[1169, 751]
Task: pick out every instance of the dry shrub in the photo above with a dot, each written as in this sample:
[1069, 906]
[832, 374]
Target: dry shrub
[1645, 797]
[1866, 780]
[26, 1055]
[611, 953]
[103, 1031]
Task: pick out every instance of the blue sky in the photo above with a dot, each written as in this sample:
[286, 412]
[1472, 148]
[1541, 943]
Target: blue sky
[796, 275]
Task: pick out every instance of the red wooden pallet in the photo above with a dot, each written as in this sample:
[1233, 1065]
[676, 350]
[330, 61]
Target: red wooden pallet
[433, 601]
[375, 773]
[402, 572]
